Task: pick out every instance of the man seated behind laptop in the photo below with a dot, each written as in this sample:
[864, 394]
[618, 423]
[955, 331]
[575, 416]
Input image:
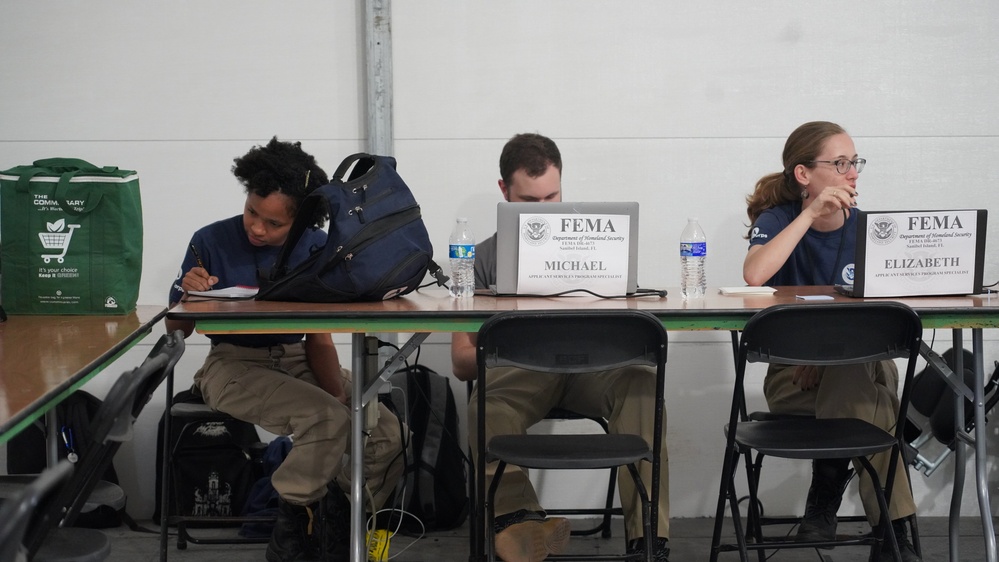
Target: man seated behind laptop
[531, 171]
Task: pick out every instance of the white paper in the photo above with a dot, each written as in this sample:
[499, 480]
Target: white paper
[562, 252]
[747, 290]
[234, 292]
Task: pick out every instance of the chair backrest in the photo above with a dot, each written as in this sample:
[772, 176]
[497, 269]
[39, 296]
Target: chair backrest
[111, 426]
[831, 334]
[575, 341]
[18, 512]
[571, 342]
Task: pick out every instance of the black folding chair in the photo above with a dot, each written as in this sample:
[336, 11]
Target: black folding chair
[17, 512]
[50, 537]
[569, 342]
[606, 513]
[603, 525]
[809, 334]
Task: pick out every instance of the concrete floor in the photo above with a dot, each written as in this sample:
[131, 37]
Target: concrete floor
[690, 542]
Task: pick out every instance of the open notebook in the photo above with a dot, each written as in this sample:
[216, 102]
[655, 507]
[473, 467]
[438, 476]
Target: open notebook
[234, 292]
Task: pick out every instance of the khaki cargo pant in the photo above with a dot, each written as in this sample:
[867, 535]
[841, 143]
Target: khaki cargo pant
[275, 389]
[868, 392]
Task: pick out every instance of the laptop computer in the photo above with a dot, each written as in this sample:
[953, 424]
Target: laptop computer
[582, 229]
[918, 253]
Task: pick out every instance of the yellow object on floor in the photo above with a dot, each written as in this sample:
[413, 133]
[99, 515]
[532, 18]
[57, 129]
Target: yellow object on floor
[378, 545]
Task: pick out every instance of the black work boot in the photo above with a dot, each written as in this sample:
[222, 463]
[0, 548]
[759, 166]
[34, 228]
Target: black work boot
[292, 539]
[660, 548]
[905, 547]
[335, 526]
[829, 479]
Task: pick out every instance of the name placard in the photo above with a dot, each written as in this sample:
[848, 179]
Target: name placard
[561, 252]
[920, 253]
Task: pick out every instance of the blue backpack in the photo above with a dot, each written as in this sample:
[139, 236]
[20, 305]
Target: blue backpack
[377, 248]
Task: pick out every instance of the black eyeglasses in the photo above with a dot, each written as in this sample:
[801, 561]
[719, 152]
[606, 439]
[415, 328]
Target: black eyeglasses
[843, 165]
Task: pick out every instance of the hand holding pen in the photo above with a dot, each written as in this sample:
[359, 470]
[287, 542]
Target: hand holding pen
[198, 278]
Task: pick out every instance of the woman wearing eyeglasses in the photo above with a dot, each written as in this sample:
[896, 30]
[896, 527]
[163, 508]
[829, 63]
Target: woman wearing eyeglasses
[804, 233]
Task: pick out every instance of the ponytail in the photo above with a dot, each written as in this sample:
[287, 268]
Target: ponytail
[771, 190]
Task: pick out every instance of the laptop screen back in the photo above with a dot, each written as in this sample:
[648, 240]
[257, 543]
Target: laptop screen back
[509, 239]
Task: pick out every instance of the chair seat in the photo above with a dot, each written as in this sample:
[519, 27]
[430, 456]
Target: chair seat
[196, 410]
[810, 438]
[568, 451]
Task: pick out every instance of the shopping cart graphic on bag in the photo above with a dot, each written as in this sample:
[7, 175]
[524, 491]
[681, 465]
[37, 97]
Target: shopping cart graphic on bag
[57, 240]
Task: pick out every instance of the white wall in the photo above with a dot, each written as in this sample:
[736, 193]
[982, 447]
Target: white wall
[678, 105]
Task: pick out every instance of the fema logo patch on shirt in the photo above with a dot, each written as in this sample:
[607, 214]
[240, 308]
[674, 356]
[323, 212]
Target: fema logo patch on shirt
[848, 274]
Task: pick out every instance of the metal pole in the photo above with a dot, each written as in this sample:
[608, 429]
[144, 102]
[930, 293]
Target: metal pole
[378, 106]
[378, 99]
[378, 75]
[359, 368]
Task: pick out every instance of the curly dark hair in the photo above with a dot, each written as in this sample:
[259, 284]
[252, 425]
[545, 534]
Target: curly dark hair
[531, 152]
[282, 167]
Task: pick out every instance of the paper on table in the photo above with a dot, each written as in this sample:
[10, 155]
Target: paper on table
[234, 292]
[747, 290]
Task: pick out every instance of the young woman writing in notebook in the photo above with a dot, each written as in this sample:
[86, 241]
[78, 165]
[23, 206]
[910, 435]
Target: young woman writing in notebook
[289, 384]
[804, 233]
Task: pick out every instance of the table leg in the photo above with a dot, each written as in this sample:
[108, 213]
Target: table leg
[963, 440]
[981, 446]
[960, 456]
[367, 378]
[360, 376]
[478, 542]
[51, 437]
[165, 474]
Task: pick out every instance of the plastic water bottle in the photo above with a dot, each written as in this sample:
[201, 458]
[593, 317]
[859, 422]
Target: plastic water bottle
[462, 254]
[693, 253]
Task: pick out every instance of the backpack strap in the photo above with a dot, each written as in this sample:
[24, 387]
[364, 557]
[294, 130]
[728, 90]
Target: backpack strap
[437, 272]
[339, 176]
[304, 218]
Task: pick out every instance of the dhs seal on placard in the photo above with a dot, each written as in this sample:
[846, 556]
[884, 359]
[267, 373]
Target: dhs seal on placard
[536, 231]
[882, 231]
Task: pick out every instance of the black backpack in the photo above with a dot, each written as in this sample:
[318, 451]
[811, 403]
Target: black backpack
[436, 474]
[26, 451]
[377, 248]
[214, 464]
[931, 396]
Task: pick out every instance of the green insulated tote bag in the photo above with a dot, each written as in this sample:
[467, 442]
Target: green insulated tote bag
[70, 238]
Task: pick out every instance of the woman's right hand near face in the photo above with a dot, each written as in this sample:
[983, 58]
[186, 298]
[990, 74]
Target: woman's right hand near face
[833, 199]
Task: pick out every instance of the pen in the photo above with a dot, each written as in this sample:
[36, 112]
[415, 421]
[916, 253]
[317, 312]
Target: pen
[197, 256]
